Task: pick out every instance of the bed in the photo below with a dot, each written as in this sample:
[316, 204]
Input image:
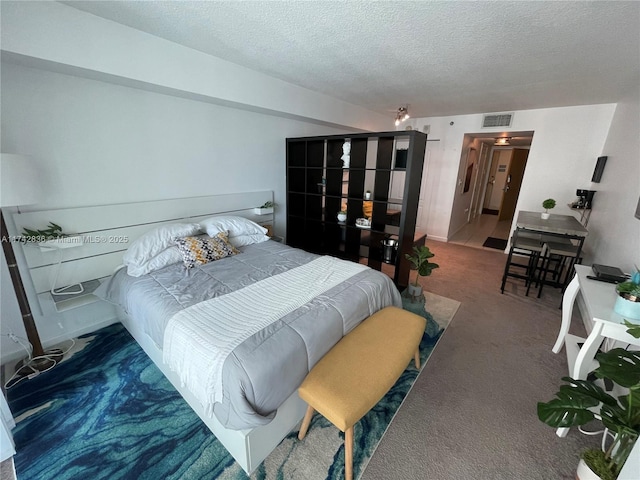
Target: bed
[257, 405]
[266, 368]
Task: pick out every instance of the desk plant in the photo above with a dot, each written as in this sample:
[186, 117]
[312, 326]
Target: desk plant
[265, 209]
[628, 301]
[548, 204]
[576, 404]
[423, 267]
[51, 232]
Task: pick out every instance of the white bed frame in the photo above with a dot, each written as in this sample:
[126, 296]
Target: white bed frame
[98, 260]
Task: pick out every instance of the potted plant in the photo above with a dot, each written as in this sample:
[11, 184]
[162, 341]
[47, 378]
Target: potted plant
[342, 215]
[423, 267]
[51, 237]
[265, 209]
[628, 301]
[548, 204]
[575, 403]
[367, 195]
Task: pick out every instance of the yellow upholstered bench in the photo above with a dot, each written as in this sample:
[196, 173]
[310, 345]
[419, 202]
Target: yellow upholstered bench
[359, 370]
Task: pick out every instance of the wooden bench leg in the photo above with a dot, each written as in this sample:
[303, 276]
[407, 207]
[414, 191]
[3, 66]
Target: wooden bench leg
[348, 454]
[416, 357]
[305, 423]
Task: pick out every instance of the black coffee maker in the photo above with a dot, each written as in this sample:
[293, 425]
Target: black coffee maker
[585, 199]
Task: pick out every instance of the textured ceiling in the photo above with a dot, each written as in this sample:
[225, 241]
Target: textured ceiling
[441, 57]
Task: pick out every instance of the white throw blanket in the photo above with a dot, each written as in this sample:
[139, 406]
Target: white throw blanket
[198, 339]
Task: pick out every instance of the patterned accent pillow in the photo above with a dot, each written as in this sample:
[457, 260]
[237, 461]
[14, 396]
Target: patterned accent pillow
[203, 249]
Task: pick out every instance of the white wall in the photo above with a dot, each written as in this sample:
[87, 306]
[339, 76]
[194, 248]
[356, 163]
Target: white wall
[58, 37]
[614, 233]
[99, 143]
[114, 115]
[566, 144]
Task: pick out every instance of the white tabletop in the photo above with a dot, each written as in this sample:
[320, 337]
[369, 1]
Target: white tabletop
[559, 224]
[599, 297]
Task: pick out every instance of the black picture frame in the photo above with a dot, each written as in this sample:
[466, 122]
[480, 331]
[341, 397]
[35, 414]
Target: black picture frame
[467, 178]
[597, 172]
[401, 159]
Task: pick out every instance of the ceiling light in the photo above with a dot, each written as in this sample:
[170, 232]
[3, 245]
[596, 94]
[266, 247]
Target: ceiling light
[501, 141]
[402, 115]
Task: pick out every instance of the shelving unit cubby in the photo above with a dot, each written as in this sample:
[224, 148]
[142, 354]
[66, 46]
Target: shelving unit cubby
[318, 186]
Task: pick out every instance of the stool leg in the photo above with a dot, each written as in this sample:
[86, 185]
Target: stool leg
[543, 275]
[348, 453]
[506, 269]
[533, 264]
[305, 423]
[416, 358]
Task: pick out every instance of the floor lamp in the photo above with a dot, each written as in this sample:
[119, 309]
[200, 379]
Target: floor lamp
[19, 181]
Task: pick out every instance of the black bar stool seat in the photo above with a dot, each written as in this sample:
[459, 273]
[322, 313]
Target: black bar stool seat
[523, 244]
[564, 253]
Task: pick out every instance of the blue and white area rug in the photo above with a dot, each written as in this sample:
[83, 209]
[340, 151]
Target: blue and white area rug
[107, 412]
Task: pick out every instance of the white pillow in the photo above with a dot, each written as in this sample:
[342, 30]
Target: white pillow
[152, 243]
[166, 257]
[233, 224]
[242, 240]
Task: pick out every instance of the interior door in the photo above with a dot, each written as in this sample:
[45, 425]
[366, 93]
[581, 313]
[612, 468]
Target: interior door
[514, 181]
[478, 183]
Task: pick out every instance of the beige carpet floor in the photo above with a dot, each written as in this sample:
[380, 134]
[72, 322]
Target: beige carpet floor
[471, 414]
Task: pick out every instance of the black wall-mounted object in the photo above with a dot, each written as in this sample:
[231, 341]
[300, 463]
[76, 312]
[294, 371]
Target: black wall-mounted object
[401, 159]
[585, 198]
[597, 172]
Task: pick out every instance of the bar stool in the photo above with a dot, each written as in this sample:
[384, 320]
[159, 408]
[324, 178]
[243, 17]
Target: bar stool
[564, 253]
[523, 244]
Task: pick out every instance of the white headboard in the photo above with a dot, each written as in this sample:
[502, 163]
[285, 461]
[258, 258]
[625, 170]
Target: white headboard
[107, 230]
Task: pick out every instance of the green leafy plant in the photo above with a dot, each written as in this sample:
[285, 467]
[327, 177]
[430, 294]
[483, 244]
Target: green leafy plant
[420, 262]
[52, 231]
[630, 289]
[268, 204]
[598, 463]
[576, 404]
[548, 204]
[633, 329]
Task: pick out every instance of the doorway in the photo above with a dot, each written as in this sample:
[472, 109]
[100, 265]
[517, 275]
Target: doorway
[503, 184]
[497, 187]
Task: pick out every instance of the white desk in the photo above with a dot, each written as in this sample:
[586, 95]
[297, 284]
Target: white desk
[599, 298]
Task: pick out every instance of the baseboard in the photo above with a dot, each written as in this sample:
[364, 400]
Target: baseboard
[437, 239]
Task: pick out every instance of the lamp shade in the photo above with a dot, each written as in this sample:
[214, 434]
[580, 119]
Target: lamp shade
[19, 180]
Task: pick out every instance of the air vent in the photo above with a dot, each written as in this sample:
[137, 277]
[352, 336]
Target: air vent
[497, 120]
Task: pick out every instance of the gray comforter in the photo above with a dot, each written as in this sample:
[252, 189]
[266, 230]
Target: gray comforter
[268, 367]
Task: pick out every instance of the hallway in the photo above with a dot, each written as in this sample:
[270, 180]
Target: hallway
[475, 233]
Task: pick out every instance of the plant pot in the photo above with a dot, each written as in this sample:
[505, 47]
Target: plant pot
[367, 195]
[413, 290]
[627, 308]
[61, 242]
[263, 211]
[342, 217]
[585, 473]
[544, 215]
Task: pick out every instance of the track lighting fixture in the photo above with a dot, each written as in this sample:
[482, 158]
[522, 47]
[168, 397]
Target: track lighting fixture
[402, 115]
